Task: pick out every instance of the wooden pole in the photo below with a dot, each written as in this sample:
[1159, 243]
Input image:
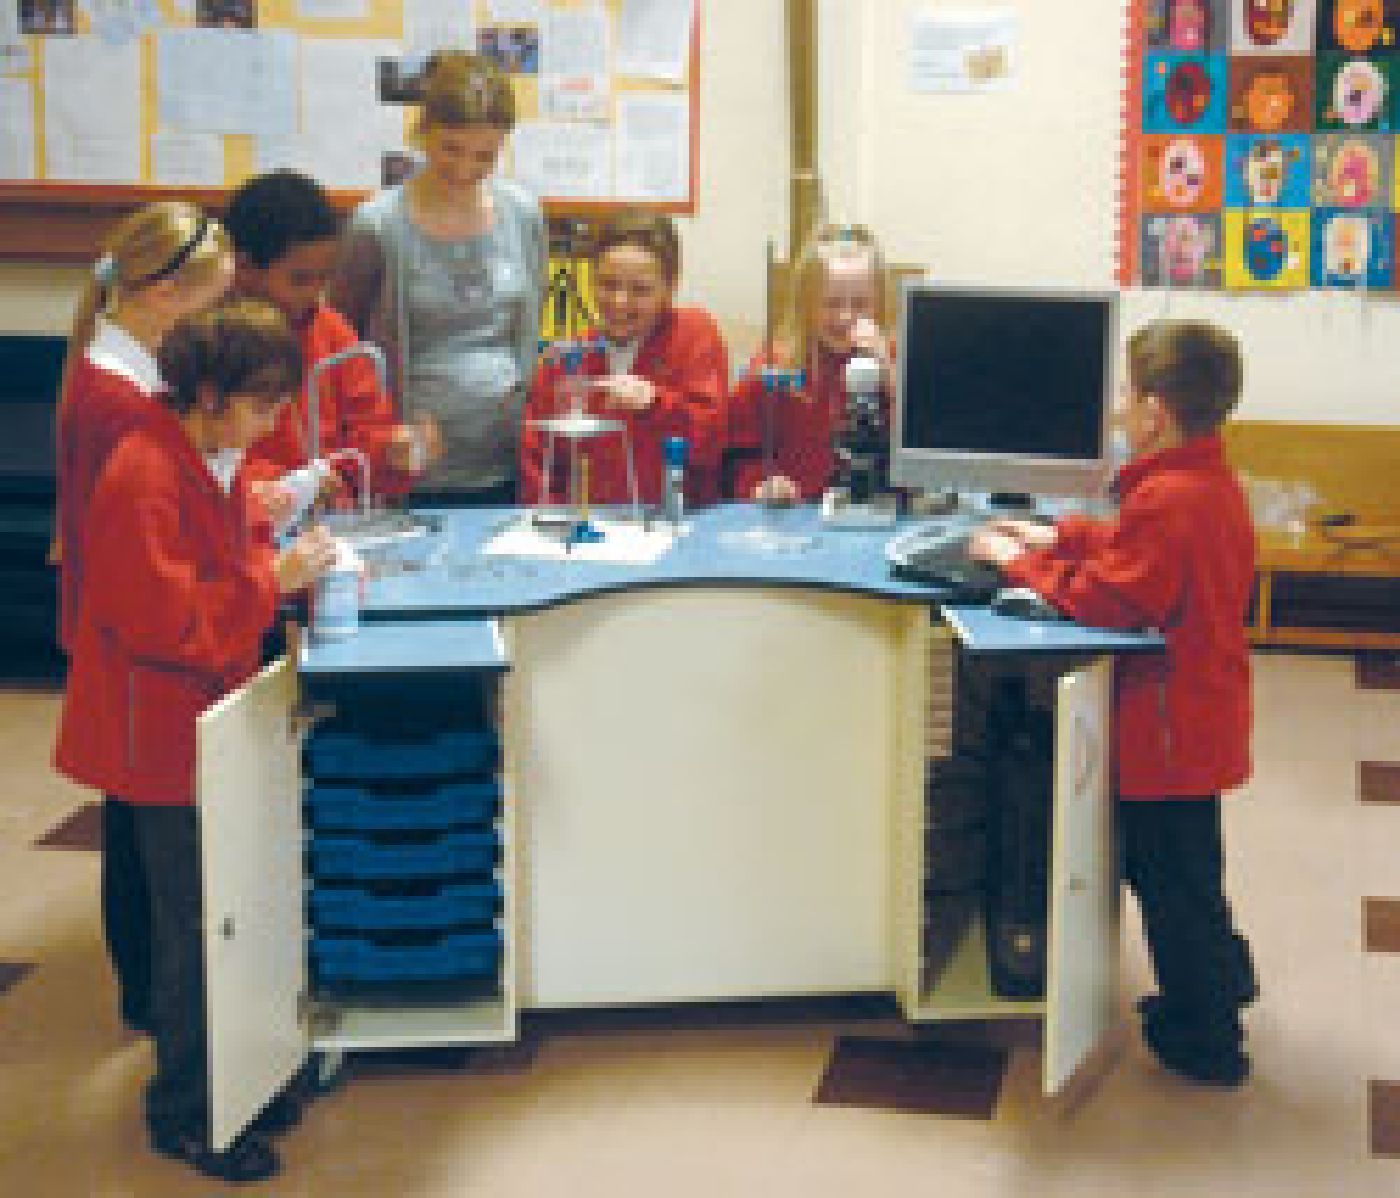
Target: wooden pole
[805, 192]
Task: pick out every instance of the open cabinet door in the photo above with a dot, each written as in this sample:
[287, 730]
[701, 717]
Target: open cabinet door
[1082, 978]
[249, 789]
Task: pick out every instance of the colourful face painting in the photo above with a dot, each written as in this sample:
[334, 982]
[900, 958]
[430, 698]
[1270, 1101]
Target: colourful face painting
[1347, 247]
[1358, 93]
[1183, 173]
[1358, 24]
[1187, 92]
[1188, 25]
[1354, 176]
[1183, 250]
[1264, 172]
[1267, 21]
[1265, 248]
[1269, 101]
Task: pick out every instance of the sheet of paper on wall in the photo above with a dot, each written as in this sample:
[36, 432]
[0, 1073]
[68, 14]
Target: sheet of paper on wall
[653, 146]
[227, 80]
[15, 58]
[563, 159]
[514, 12]
[430, 25]
[119, 21]
[338, 92]
[653, 38]
[575, 97]
[92, 110]
[332, 10]
[183, 159]
[574, 41]
[17, 130]
[963, 50]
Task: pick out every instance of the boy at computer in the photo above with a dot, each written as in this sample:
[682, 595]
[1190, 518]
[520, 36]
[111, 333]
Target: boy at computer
[1178, 558]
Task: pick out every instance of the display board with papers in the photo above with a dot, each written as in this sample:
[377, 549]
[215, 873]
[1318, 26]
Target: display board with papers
[118, 101]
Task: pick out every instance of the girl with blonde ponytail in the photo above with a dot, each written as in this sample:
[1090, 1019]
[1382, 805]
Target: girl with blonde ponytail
[159, 264]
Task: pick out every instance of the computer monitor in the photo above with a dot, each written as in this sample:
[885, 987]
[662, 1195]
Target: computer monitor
[1003, 389]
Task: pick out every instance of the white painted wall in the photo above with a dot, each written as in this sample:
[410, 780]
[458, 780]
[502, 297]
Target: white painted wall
[1019, 187]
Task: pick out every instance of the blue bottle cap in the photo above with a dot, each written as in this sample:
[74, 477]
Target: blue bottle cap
[673, 451]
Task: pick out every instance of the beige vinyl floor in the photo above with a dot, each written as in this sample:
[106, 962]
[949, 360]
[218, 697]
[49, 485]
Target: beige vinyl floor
[641, 1106]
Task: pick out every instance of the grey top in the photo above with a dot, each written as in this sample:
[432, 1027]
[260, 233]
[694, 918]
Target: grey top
[458, 321]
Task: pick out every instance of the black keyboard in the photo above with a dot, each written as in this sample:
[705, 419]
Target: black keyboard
[944, 563]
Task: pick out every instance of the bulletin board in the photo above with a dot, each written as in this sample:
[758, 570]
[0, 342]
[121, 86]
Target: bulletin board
[105, 104]
[1260, 145]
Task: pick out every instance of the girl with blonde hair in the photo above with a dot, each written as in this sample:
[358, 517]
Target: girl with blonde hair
[446, 272]
[839, 305]
[162, 262]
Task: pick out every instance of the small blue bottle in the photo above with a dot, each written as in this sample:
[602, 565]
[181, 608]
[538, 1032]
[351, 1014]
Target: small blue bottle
[673, 452]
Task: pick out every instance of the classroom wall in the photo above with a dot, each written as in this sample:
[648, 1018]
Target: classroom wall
[1019, 187]
[743, 183]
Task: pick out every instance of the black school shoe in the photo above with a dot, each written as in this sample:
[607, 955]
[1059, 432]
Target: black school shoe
[280, 1115]
[249, 1158]
[1185, 1052]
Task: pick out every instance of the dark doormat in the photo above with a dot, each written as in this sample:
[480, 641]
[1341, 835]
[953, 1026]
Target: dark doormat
[1385, 1119]
[1378, 782]
[1383, 925]
[11, 972]
[1378, 671]
[917, 1077]
[82, 829]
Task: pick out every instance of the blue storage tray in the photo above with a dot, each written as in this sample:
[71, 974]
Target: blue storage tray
[358, 908]
[361, 757]
[366, 856]
[429, 808]
[363, 959]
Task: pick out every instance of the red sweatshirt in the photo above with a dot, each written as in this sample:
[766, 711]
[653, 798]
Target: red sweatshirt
[179, 593]
[353, 410]
[686, 359]
[98, 408]
[1180, 559]
[801, 423]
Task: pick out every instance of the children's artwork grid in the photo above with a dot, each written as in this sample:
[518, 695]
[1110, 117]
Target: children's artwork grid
[1261, 144]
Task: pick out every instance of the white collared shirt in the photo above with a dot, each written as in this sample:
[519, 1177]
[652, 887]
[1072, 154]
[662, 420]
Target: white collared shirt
[114, 349]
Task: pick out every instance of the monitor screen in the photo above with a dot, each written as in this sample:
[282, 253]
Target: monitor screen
[1002, 389]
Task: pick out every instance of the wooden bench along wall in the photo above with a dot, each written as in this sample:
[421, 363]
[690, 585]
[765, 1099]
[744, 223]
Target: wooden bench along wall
[1335, 587]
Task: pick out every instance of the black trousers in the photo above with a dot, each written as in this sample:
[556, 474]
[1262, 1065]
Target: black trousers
[177, 1097]
[1174, 861]
[126, 911]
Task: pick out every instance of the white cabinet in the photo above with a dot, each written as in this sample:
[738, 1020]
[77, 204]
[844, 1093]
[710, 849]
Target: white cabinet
[264, 1019]
[952, 982]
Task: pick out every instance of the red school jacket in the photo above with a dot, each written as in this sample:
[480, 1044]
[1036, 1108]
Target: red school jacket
[801, 425]
[178, 595]
[685, 357]
[97, 409]
[354, 412]
[1179, 558]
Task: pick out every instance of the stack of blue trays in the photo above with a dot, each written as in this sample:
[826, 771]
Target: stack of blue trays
[403, 852]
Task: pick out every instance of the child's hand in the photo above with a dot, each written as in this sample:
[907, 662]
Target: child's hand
[988, 544]
[304, 560]
[415, 447]
[1029, 533]
[278, 501]
[867, 338]
[777, 491]
[627, 392]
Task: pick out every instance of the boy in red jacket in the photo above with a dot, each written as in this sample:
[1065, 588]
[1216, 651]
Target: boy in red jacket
[285, 238]
[1179, 558]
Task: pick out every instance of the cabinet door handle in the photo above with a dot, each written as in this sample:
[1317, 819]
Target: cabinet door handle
[226, 927]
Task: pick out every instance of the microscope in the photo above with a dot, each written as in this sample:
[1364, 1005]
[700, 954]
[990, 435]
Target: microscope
[860, 495]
